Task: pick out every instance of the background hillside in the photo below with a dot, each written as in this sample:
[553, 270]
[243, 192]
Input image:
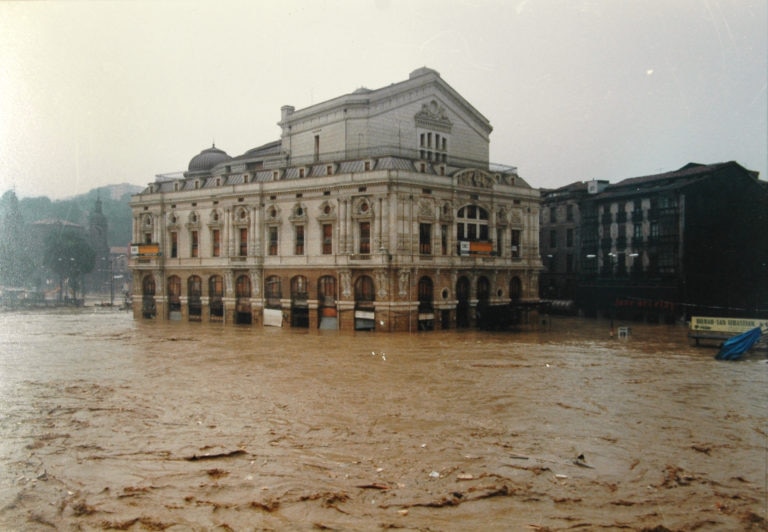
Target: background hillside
[115, 201]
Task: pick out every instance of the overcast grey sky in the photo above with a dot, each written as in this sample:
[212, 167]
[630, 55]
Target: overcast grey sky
[95, 93]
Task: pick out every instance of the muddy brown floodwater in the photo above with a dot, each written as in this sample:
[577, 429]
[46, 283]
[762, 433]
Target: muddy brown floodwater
[108, 423]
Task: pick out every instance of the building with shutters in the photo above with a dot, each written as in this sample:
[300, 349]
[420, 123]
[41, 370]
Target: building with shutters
[659, 247]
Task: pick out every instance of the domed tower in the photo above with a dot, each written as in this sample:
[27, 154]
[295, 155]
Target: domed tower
[206, 160]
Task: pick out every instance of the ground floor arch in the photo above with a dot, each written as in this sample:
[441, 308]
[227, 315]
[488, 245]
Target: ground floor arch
[174, 297]
[426, 291]
[400, 299]
[243, 313]
[463, 317]
[216, 297]
[194, 298]
[299, 302]
[327, 294]
[365, 304]
[148, 303]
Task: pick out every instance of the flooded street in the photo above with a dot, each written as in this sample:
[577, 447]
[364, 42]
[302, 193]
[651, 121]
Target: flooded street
[109, 423]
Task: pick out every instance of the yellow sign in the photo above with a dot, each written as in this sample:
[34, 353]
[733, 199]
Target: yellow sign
[144, 250]
[731, 325]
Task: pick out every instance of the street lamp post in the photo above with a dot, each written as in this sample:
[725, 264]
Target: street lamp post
[112, 279]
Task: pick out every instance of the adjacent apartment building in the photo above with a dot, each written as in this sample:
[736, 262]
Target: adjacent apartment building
[660, 246]
[378, 209]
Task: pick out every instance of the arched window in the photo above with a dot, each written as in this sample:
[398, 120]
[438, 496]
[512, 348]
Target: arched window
[299, 287]
[216, 286]
[483, 289]
[194, 293]
[148, 286]
[216, 293]
[364, 290]
[299, 304]
[174, 293]
[326, 290]
[273, 291]
[426, 294]
[148, 297]
[243, 287]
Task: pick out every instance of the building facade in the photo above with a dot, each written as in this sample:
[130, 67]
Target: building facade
[662, 246]
[378, 209]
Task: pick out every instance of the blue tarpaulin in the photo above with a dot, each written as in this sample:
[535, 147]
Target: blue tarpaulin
[737, 345]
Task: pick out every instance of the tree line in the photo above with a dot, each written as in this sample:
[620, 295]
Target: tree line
[31, 256]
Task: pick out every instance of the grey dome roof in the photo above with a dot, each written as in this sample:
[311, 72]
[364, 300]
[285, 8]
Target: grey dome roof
[207, 159]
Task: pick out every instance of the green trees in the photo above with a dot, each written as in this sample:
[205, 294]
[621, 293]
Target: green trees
[69, 256]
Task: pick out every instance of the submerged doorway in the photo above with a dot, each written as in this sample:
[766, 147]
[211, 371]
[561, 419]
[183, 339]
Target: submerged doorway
[326, 307]
[148, 305]
[174, 298]
[365, 296]
[216, 297]
[426, 304]
[299, 303]
[462, 305]
[194, 297]
[243, 313]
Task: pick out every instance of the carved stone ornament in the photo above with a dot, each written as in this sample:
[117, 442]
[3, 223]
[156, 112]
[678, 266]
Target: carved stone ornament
[256, 282]
[404, 278]
[473, 177]
[426, 209]
[381, 284]
[346, 283]
[214, 219]
[433, 116]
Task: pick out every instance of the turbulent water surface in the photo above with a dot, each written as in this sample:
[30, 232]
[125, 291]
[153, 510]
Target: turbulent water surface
[109, 423]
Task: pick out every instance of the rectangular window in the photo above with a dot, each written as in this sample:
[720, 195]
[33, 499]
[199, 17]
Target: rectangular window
[460, 231]
[444, 239]
[515, 243]
[472, 233]
[499, 240]
[569, 213]
[216, 238]
[654, 230]
[553, 239]
[327, 239]
[299, 250]
[147, 238]
[569, 263]
[195, 243]
[365, 238]
[569, 238]
[637, 231]
[243, 251]
[425, 239]
[317, 147]
[273, 240]
[484, 233]
[174, 245]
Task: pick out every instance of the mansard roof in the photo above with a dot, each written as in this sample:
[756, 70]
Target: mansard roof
[676, 179]
[418, 78]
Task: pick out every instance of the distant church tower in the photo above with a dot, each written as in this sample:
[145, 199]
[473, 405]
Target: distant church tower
[97, 231]
[97, 228]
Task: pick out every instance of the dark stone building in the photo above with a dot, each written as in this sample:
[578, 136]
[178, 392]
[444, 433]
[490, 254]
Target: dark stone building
[660, 246]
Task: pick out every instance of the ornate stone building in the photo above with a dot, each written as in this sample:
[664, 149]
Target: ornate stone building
[377, 209]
